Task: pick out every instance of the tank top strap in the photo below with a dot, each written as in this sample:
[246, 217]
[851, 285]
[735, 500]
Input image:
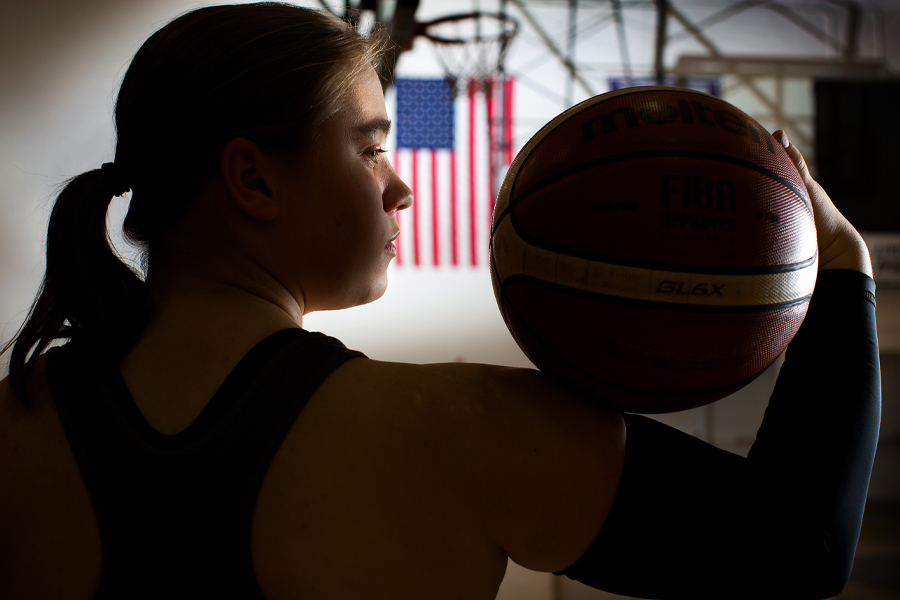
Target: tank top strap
[175, 511]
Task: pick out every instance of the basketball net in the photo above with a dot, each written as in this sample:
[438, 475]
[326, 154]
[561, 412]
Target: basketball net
[470, 48]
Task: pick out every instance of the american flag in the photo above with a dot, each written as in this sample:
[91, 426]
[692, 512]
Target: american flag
[451, 170]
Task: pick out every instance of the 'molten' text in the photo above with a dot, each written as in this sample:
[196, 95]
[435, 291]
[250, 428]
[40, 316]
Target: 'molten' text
[694, 112]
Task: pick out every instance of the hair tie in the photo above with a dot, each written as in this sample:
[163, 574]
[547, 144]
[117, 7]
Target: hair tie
[114, 177]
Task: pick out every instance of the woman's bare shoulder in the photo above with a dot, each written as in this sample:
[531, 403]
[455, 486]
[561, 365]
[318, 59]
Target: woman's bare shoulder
[449, 395]
[46, 516]
[20, 423]
[447, 469]
[536, 463]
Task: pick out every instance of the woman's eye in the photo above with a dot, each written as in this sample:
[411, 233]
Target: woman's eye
[372, 154]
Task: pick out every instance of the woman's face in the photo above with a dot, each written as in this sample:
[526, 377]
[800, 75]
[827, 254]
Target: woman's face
[344, 209]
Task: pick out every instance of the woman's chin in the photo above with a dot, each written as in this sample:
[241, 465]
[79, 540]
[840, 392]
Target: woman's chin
[375, 291]
[378, 289]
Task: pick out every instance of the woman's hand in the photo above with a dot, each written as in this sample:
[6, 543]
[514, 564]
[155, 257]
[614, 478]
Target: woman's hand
[840, 245]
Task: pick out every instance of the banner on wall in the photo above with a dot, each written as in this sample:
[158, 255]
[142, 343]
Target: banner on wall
[448, 151]
[709, 85]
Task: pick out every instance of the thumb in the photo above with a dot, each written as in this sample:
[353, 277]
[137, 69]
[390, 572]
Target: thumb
[840, 245]
[828, 219]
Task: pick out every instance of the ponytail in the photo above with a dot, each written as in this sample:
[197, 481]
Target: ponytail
[87, 293]
[268, 72]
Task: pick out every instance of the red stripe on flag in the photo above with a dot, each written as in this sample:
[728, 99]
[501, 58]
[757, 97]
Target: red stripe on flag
[454, 260]
[508, 119]
[415, 213]
[398, 259]
[472, 245]
[492, 149]
[435, 245]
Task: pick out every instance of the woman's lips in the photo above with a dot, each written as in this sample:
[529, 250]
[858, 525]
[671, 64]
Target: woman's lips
[390, 247]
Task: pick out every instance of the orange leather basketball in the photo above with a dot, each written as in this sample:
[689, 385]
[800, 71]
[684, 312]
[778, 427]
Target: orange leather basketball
[654, 247]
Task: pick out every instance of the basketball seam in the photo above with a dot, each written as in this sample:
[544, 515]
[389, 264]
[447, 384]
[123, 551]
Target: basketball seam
[661, 266]
[654, 304]
[735, 386]
[498, 293]
[577, 109]
[514, 201]
[663, 153]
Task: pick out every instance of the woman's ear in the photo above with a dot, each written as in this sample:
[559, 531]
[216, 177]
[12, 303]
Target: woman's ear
[248, 172]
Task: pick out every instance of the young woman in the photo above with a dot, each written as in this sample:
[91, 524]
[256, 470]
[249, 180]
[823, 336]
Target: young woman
[192, 440]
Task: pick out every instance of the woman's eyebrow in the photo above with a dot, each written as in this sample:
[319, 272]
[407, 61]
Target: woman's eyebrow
[377, 125]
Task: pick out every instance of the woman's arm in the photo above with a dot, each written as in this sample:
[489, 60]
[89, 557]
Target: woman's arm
[691, 521]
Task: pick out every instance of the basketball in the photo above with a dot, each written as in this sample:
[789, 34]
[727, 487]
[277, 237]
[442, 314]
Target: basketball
[653, 247]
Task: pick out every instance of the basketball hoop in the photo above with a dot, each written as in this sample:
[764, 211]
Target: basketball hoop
[470, 47]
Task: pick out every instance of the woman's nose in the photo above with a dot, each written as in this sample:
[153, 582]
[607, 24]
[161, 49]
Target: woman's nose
[397, 195]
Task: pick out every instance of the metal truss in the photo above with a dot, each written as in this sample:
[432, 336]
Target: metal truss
[840, 58]
[839, 49]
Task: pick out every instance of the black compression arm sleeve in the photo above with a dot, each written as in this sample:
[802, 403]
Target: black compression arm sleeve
[693, 521]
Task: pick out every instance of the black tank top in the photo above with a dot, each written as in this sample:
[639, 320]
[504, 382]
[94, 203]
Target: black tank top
[175, 511]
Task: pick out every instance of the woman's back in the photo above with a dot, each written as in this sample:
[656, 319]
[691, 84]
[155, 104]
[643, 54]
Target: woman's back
[369, 495]
[51, 546]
